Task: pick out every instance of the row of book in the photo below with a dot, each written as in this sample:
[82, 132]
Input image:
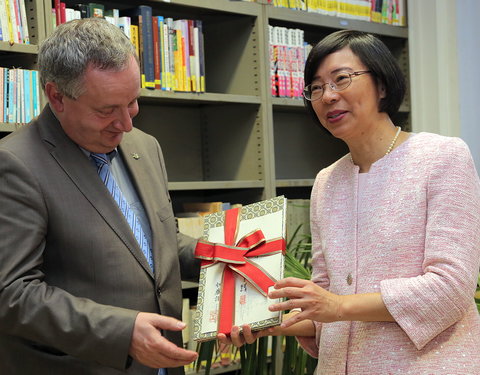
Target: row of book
[13, 22]
[288, 52]
[392, 12]
[19, 95]
[171, 51]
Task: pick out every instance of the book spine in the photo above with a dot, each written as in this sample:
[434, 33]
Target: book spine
[167, 82]
[63, 12]
[186, 56]
[36, 93]
[27, 95]
[12, 25]
[124, 25]
[6, 89]
[156, 53]
[171, 60]
[18, 21]
[134, 38]
[12, 95]
[199, 25]
[23, 14]
[191, 55]
[20, 97]
[196, 50]
[161, 48]
[2, 92]
[147, 41]
[4, 21]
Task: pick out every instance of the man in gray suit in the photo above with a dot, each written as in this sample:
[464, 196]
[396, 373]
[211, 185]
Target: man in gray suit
[77, 292]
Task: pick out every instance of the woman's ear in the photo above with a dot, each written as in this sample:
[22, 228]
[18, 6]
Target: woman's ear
[382, 91]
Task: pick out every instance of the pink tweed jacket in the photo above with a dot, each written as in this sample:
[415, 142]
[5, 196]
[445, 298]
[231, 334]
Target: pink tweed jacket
[415, 238]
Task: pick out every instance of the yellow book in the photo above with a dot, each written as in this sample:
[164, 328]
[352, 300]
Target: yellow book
[134, 38]
[11, 38]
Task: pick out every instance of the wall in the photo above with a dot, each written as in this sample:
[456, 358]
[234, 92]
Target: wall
[444, 48]
[468, 45]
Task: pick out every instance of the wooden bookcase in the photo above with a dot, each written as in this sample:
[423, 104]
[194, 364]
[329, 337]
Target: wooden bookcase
[234, 143]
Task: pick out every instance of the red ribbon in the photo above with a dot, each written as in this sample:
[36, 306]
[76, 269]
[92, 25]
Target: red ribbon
[235, 258]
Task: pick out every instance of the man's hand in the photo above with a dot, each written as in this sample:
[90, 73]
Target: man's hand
[149, 347]
[244, 335]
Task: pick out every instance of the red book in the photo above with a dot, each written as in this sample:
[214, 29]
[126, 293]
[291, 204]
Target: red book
[57, 12]
[63, 15]
[156, 52]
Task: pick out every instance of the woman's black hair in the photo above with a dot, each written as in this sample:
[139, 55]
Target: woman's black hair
[376, 57]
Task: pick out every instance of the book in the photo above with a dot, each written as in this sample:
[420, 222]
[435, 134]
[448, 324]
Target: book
[156, 53]
[96, 10]
[191, 225]
[199, 27]
[242, 257]
[203, 208]
[142, 17]
[134, 38]
[124, 25]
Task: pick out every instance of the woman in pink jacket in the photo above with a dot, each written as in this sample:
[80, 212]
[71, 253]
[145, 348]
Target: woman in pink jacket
[395, 230]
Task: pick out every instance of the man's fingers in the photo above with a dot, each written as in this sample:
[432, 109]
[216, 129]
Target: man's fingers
[170, 350]
[167, 323]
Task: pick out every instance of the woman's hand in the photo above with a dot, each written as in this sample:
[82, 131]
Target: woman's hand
[314, 302]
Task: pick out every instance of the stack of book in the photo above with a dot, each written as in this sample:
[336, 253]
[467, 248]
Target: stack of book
[19, 95]
[392, 12]
[13, 22]
[288, 52]
[171, 51]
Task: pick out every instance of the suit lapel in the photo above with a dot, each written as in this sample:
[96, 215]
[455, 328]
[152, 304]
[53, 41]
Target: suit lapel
[83, 174]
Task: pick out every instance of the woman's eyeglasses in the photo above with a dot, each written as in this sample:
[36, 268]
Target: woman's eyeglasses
[340, 81]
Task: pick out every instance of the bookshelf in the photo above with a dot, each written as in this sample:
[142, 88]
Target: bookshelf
[235, 142]
[300, 149]
[16, 55]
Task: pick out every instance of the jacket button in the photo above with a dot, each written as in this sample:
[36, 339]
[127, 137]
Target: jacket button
[159, 291]
[349, 279]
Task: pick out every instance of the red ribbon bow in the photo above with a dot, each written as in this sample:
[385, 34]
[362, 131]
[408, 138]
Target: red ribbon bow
[235, 259]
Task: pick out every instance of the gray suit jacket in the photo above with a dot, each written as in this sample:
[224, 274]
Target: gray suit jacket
[72, 276]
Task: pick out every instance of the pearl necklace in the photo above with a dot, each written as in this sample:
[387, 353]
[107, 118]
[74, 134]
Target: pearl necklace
[389, 149]
[399, 129]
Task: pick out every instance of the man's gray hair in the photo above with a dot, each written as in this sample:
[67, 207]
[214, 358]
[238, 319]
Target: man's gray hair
[65, 55]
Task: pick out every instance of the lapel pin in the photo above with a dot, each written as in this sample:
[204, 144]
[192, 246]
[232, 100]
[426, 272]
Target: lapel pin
[135, 156]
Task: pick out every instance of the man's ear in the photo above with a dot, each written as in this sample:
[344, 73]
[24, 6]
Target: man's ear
[55, 97]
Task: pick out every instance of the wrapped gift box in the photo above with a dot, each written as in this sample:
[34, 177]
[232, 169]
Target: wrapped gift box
[242, 252]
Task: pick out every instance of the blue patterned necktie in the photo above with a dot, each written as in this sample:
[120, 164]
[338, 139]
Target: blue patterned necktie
[103, 169]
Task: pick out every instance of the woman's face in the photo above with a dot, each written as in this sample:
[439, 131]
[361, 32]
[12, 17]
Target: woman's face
[351, 111]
